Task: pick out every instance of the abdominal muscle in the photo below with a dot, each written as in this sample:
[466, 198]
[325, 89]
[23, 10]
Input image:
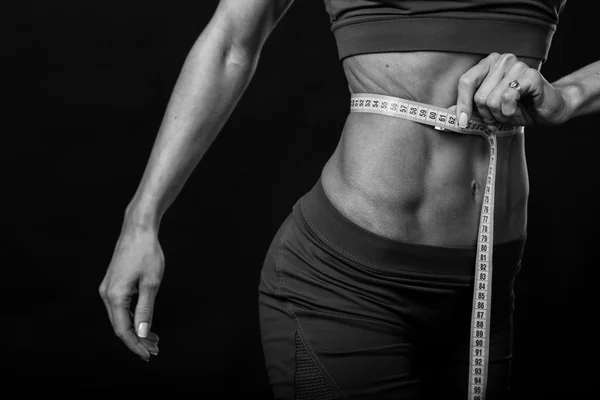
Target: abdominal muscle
[408, 182]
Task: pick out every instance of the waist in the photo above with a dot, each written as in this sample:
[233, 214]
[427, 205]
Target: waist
[320, 217]
[407, 181]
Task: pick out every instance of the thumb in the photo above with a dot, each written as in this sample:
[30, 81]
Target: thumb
[145, 307]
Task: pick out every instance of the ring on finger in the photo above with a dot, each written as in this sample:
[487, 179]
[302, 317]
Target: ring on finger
[515, 85]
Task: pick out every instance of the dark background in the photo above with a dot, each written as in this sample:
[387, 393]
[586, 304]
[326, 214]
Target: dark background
[87, 84]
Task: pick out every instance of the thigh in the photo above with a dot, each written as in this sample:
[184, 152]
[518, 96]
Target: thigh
[447, 374]
[317, 355]
[321, 340]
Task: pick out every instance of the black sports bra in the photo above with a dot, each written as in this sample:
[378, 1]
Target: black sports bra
[522, 27]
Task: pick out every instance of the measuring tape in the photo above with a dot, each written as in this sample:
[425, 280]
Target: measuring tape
[442, 120]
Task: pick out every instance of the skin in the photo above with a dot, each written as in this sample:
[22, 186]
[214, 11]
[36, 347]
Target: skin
[409, 182]
[394, 177]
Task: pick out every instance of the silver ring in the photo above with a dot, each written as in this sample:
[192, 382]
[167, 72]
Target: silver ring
[515, 85]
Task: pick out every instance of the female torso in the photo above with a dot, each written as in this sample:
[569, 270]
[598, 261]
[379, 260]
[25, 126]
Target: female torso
[409, 182]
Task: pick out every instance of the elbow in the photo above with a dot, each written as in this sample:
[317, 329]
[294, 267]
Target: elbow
[239, 57]
[220, 47]
[242, 54]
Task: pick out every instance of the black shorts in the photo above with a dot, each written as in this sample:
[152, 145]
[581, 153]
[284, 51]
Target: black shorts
[345, 313]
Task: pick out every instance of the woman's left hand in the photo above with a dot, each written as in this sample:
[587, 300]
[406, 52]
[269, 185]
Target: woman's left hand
[487, 87]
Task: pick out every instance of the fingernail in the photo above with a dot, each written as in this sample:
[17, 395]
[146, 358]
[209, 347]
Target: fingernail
[142, 329]
[462, 120]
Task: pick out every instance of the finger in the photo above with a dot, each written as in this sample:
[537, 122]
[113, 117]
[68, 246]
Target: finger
[103, 295]
[152, 337]
[496, 75]
[452, 110]
[145, 305]
[150, 342]
[495, 99]
[468, 84]
[531, 85]
[149, 345]
[122, 325]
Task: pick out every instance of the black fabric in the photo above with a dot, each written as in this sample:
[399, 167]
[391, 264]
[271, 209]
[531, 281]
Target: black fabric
[309, 380]
[345, 313]
[522, 27]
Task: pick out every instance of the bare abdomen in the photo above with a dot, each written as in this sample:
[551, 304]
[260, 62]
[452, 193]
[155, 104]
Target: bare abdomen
[417, 186]
[411, 183]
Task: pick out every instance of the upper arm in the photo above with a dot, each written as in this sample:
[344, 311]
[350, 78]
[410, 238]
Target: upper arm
[247, 23]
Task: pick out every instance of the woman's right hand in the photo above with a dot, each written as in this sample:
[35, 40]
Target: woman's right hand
[137, 266]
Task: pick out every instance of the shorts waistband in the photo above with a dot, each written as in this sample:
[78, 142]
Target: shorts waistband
[352, 241]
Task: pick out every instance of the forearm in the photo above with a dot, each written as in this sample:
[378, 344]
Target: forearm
[581, 90]
[212, 80]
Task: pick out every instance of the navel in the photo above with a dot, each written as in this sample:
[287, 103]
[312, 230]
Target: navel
[475, 188]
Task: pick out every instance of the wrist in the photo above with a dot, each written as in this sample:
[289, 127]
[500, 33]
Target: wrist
[571, 98]
[141, 217]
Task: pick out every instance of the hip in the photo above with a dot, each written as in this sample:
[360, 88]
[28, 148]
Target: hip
[336, 299]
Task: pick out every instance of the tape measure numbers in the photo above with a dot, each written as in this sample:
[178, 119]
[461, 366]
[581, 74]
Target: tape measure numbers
[442, 120]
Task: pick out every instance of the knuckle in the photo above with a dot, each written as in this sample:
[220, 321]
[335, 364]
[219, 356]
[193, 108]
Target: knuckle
[521, 66]
[465, 82]
[480, 99]
[508, 58]
[493, 103]
[506, 96]
[150, 283]
[116, 297]
[493, 56]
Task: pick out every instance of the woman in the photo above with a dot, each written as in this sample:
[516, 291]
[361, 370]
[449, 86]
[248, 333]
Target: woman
[367, 288]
